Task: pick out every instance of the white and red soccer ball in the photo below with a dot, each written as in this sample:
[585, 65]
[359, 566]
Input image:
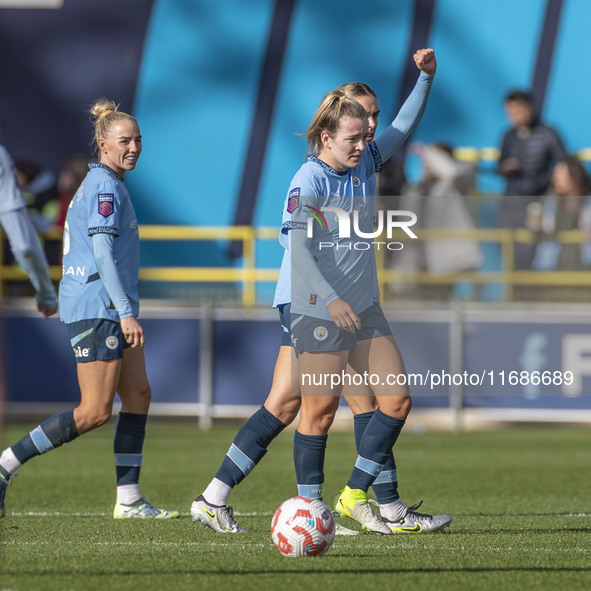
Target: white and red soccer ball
[302, 527]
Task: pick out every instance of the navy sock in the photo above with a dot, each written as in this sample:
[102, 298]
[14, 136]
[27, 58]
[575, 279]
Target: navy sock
[52, 433]
[249, 446]
[308, 457]
[385, 485]
[360, 422]
[129, 440]
[376, 444]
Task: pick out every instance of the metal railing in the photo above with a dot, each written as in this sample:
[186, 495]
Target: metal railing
[248, 276]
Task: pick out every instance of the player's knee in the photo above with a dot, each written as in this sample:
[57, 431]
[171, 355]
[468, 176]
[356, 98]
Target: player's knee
[397, 407]
[325, 421]
[140, 396]
[361, 404]
[88, 419]
[287, 411]
[145, 393]
[404, 406]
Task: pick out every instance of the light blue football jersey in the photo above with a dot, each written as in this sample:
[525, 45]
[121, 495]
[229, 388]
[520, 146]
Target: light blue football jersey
[101, 205]
[341, 183]
[345, 270]
[377, 152]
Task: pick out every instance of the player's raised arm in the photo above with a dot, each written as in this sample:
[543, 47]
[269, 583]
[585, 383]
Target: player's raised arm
[413, 108]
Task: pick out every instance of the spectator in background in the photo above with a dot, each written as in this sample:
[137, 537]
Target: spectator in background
[569, 208]
[438, 200]
[39, 189]
[528, 152]
[72, 174]
[391, 181]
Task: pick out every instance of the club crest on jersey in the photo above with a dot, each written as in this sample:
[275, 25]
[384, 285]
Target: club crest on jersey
[293, 200]
[105, 204]
[356, 181]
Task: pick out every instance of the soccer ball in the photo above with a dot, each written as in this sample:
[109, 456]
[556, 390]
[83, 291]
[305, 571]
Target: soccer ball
[302, 527]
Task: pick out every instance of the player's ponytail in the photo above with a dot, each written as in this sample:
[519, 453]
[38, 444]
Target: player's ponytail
[334, 105]
[105, 114]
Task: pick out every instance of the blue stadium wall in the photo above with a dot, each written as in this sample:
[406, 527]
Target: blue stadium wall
[544, 363]
[221, 89]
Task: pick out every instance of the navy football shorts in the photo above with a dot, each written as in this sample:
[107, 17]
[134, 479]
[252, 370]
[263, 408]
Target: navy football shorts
[315, 335]
[285, 321]
[96, 339]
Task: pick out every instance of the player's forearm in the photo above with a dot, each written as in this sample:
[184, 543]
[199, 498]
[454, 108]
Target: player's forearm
[34, 263]
[105, 263]
[407, 119]
[306, 266]
[29, 255]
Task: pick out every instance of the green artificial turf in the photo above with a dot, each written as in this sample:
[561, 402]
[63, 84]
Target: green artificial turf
[520, 499]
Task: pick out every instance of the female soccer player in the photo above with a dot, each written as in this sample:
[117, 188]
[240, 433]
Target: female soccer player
[283, 402]
[335, 317]
[98, 300]
[22, 237]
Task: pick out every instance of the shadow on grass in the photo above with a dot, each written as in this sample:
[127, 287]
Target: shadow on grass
[297, 568]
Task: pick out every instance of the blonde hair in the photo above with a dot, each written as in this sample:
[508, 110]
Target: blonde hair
[106, 114]
[356, 89]
[335, 105]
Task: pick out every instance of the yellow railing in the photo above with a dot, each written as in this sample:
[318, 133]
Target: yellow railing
[507, 275]
[248, 275]
[472, 154]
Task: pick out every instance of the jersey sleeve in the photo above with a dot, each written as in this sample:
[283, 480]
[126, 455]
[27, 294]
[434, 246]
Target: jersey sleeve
[299, 188]
[104, 209]
[102, 245]
[405, 122]
[295, 224]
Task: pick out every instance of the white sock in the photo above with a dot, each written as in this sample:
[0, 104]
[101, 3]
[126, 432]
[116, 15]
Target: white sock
[9, 461]
[128, 494]
[217, 492]
[393, 511]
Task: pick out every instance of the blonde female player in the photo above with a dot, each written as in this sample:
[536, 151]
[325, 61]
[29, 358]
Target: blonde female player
[98, 301]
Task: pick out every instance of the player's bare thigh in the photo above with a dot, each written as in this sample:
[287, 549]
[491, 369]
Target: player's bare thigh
[320, 398]
[98, 383]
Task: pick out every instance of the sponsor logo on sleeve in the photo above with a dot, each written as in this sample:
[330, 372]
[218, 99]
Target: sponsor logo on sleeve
[105, 204]
[293, 200]
[287, 226]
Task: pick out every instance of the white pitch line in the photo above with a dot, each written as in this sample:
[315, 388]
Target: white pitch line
[398, 546]
[265, 514]
[61, 514]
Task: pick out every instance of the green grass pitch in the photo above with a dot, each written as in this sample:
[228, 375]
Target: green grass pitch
[520, 499]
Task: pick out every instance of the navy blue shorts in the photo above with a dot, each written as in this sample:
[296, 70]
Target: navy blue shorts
[285, 321]
[315, 335]
[96, 339]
